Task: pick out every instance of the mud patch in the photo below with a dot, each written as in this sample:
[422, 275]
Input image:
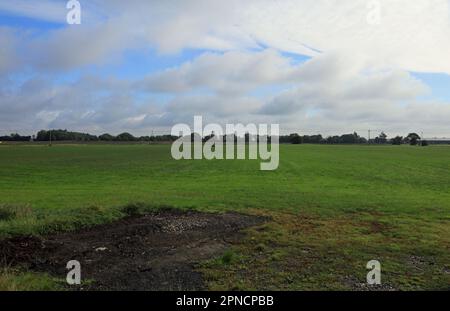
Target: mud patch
[356, 285]
[158, 251]
[420, 263]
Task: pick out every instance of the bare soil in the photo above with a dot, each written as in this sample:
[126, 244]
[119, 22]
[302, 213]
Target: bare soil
[158, 251]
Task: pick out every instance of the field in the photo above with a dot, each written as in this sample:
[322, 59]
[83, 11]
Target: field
[331, 209]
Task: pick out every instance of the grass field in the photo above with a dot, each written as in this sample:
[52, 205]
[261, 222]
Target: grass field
[333, 208]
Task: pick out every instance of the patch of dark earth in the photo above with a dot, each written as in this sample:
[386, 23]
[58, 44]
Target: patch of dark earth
[157, 251]
[356, 285]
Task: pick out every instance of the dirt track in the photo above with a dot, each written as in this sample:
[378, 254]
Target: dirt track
[157, 251]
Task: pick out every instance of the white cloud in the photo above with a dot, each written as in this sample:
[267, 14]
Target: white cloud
[8, 59]
[411, 35]
[231, 72]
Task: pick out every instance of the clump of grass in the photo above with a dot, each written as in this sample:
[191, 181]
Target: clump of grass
[277, 256]
[14, 280]
[22, 220]
[140, 208]
[74, 219]
[26, 221]
[228, 257]
[10, 212]
[261, 247]
[5, 214]
[133, 209]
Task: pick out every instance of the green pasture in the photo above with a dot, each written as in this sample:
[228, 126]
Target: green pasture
[333, 207]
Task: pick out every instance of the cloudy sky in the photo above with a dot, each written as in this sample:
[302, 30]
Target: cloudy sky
[328, 66]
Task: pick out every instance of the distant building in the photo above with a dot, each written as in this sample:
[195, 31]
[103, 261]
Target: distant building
[438, 141]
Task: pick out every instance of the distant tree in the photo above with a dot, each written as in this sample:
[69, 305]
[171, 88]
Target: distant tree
[397, 140]
[43, 136]
[349, 138]
[15, 137]
[208, 137]
[295, 139]
[64, 135]
[144, 138]
[125, 137]
[413, 139]
[333, 140]
[313, 139]
[106, 137]
[424, 143]
[381, 139]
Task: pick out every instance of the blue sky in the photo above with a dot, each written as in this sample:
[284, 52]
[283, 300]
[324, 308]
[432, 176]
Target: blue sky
[11, 20]
[157, 64]
[439, 84]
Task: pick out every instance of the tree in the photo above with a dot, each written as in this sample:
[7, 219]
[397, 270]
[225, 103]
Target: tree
[64, 135]
[43, 136]
[106, 137]
[397, 140]
[15, 137]
[125, 137]
[413, 139]
[144, 138]
[381, 139]
[295, 139]
[349, 138]
[333, 140]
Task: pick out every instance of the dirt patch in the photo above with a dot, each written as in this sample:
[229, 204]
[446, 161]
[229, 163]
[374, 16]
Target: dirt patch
[356, 285]
[421, 263]
[378, 227]
[158, 251]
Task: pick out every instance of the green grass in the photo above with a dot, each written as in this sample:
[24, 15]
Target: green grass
[360, 203]
[14, 280]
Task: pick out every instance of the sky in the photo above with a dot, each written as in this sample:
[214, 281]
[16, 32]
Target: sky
[311, 66]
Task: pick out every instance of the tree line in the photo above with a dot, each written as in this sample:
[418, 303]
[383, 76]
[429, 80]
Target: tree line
[65, 135]
[411, 139]
[295, 138]
[15, 137]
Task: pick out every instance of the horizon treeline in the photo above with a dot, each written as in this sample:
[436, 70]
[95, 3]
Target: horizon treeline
[295, 138]
[65, 135]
